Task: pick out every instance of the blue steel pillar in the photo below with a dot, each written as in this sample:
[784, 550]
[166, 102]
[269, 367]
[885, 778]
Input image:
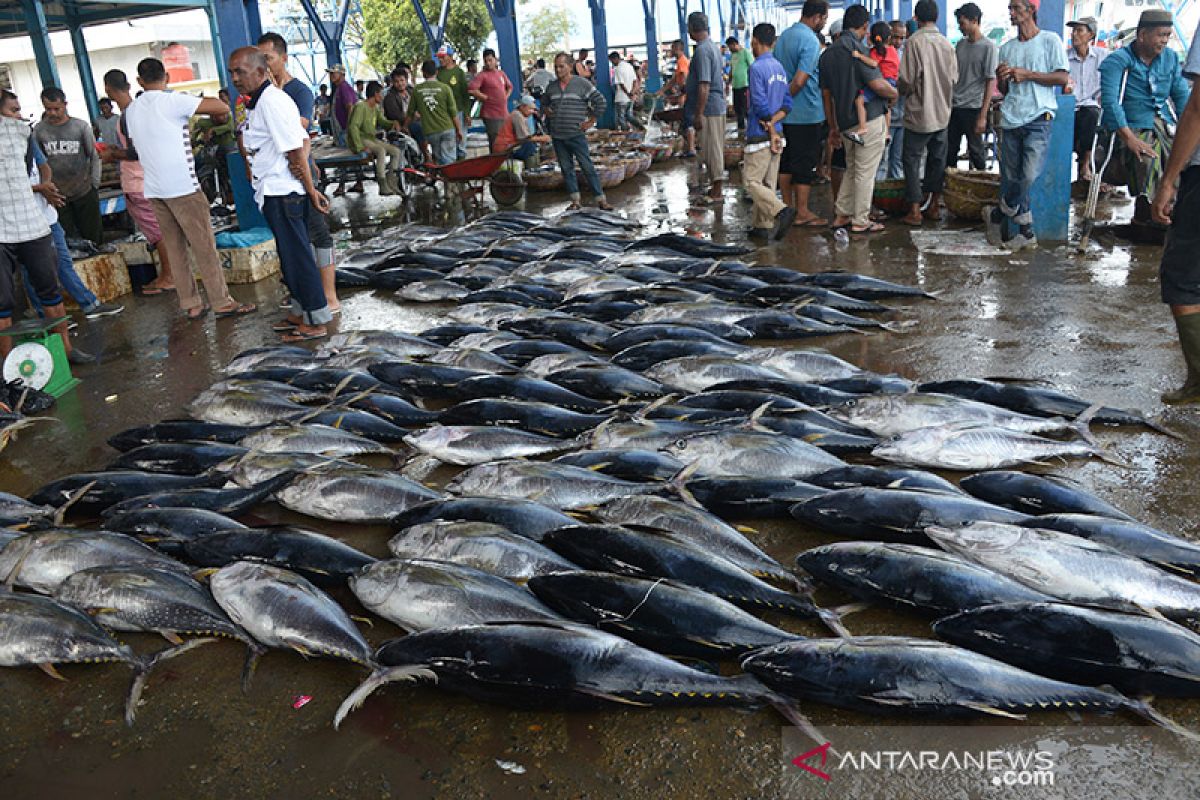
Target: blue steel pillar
[233, 30]
[653, 77]
[1050, 195]
[330, 33]
[35, 18]
[1051, 17]
[253, 23]
[682, 12]
[600, 44]
[434, 34]
[83, 63]
[905, 10]
[504, 20]
[218, 51]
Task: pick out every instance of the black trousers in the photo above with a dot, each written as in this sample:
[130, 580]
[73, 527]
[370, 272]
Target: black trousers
[741, 105]
[962, 123]
[80, 218]
[41, 263]
[1179, 272]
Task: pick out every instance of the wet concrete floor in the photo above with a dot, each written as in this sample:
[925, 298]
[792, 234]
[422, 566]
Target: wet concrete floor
[1091, 325]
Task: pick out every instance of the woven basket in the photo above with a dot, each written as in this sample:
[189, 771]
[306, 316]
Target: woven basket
[644, 161]
[967, 192]
[544, 179]
[599, 135]
[734, 153]
[659, 151]
[889, 196]
[610, 175]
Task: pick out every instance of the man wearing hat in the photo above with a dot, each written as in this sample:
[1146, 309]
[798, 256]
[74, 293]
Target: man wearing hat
[515, 132]
[1084, 59]
[1179, 273]
[1142, 120]
[344, 98]
[451, 74]
[1031, 66]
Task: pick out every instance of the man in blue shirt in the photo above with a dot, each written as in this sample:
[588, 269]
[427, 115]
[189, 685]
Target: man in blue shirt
[798, 51]
[1142, 120]
[1031, 66]
[770, 101]
[1179, 273]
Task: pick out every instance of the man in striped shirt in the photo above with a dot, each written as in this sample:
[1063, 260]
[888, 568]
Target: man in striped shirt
[571, 105]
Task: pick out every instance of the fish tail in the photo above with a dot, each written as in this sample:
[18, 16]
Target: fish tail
[375, 680]
[1080, 424]
[142, 673]
[1143, 709]
[75, 497]
[832, 619]
[678, 485]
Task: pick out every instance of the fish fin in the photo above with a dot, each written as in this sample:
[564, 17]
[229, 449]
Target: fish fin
[1151, 612]
[10, 580]
[253, 653]
[600, 467]
[170, 636]
[754, 421]
[364, 620]
[75, 497]
[142, 673]
[983, 708]
[790, 710]
[375, 680]
[1107, 459]
[201, 575]
[612, 698]
[1143, 709]
[51, 671]
[641, 414]
[832, 619]
[745, 529]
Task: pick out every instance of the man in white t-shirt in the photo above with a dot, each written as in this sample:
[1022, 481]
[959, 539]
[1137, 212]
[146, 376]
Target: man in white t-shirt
[157, 122]
[624, 82]
[274, 142]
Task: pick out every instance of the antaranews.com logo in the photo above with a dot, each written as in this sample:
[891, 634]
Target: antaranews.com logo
[998, 767]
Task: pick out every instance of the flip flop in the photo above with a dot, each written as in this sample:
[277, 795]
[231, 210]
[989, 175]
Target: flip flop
[151, 291]
[196, 313]
[874, 227]
[297, 336]
[813, 222]
[241, 309]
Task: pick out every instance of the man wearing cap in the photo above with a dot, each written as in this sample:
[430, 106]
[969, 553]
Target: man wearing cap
[1142, 120]
[451, 74]
[514, 132]
[1179, 272]
[1031, 66]
[705, 83]
[1085, 84]
[344, 98]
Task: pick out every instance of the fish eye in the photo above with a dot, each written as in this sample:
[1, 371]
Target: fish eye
[681, 444]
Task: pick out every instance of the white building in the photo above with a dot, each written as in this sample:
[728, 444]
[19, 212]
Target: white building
[115, 45]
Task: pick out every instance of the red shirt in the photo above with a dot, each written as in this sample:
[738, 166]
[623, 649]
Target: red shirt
[889, 63]
[496, 85]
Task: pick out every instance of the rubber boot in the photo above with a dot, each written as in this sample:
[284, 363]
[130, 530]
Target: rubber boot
[1188, 327]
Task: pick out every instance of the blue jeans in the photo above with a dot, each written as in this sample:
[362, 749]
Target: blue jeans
[461, 147]
[621, 111]
[1022, 155]
[441, 145]
[574, 150]
[525, 151]
[67, 276]
[287, 216]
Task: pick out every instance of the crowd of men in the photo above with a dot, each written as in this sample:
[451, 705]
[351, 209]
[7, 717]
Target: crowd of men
[898, 99]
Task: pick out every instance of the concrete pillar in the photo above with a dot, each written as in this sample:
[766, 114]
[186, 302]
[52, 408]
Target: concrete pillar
[653, 76]
[600, 45]
[43, 53]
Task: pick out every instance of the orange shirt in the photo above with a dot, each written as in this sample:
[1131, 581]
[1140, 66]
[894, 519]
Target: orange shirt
[681, 70]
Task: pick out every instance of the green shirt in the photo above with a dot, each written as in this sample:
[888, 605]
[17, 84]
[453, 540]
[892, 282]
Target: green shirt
[222, 134]
[434, 101]
[739, 64]
[364, 121]
[456, 79]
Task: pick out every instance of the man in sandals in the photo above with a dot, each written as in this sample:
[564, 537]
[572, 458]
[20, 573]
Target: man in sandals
[276, 145]
[157, 122]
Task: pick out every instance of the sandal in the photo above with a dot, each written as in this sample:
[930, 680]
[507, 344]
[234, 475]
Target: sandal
[238, 310]
[284, 326]
[603, 205]
[573, 207]
[813, 222]
[299, 336]
[196, 313]
[874, 227]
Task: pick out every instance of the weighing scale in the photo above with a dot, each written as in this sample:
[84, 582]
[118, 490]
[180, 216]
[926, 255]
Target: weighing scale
[38, 358]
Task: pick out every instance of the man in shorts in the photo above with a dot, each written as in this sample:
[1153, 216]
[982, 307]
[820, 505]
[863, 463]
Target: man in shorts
[798, 49]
